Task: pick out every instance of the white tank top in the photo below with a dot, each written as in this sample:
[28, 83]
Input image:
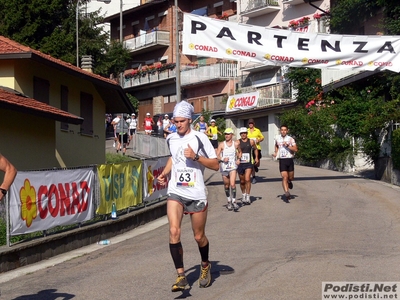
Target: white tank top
[229, 152]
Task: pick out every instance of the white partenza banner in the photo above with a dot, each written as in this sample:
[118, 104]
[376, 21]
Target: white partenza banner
[242, 101]
[203, 36]
[152, 190]
[41, 200]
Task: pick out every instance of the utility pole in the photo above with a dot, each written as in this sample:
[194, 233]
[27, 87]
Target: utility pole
[177, 59]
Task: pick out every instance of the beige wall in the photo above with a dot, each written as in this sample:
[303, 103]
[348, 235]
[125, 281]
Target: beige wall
[7, 74]
[70, 148]
[27, 141]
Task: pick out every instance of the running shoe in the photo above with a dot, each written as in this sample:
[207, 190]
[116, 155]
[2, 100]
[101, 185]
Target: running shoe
[290, 184]
[180, 284]
[254, 181]
[229, 206]
[287, 195]
[205, 276]
[235, 206]
[248, 199]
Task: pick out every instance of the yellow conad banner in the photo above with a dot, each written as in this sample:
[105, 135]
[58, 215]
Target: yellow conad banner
[120, 183]
[203, 36]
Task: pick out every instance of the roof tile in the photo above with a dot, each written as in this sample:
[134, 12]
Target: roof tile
[8, 46]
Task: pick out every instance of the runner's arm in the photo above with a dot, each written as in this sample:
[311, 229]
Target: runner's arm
[163, 177]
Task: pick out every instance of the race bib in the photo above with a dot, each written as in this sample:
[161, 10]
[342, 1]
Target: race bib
[215, 136]
[283, 153]
[245, 158]
[185, 177]
[230, 164]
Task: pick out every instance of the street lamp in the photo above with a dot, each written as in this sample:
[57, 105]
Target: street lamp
[77, 26]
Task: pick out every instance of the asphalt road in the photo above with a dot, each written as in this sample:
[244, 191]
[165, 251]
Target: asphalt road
[337, 227]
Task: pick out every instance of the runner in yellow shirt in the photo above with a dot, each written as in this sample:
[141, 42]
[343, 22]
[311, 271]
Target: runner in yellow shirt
[212, 133]
[255, 134]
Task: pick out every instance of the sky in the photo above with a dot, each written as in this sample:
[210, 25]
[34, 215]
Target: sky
[113, 7]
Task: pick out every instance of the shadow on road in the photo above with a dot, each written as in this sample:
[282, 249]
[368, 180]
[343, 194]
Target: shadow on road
[46, 295]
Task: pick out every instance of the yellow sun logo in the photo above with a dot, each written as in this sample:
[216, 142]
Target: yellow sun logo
[304, 60]
[338, 62]
[232, 103]
[191, 46]
[27, 196]
[229, 51]
[150, 180]
[267, 56]
[371, 64]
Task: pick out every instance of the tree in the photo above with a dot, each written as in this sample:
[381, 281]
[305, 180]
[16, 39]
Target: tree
[335, 125]
[50, 26]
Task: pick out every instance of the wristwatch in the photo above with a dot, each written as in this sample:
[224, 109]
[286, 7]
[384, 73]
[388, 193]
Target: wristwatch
[3, 191]
[196, 157]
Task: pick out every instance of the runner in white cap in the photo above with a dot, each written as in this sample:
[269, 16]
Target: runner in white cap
[228, 154]
[191, 153]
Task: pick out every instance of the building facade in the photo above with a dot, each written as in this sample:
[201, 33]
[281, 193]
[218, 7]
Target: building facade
[148, 31]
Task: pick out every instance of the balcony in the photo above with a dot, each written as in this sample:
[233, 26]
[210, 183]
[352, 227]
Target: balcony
[219, 71]
[154, 40]
[293, 2]
[149, 78]
[257, 8]
[276, 94]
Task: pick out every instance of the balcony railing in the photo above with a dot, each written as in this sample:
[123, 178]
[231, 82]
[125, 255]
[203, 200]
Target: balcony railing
[210, 72]
[149, 78]
[257, 8]
[274, 94]
[155, 38]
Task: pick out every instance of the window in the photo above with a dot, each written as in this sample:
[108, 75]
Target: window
[64, 105]
[87, 114]
[233, 5]
[218, 8]
[135, 28]
[41, 90]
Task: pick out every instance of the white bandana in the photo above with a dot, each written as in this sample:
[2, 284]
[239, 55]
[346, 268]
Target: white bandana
[183, 110]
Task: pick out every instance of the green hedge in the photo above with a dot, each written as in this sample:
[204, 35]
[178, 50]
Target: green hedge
[396, 149]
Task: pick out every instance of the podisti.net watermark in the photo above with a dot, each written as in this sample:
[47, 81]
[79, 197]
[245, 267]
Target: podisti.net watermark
[360, 290]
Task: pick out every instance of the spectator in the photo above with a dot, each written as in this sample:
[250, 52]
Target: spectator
[122, 129]
[166, 122]
[171, 127]
[114, 123]
[148, 124]
[160, 129]
[133, 126]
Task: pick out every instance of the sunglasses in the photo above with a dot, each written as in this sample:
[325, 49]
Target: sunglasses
[228, 133]
[251, 123]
